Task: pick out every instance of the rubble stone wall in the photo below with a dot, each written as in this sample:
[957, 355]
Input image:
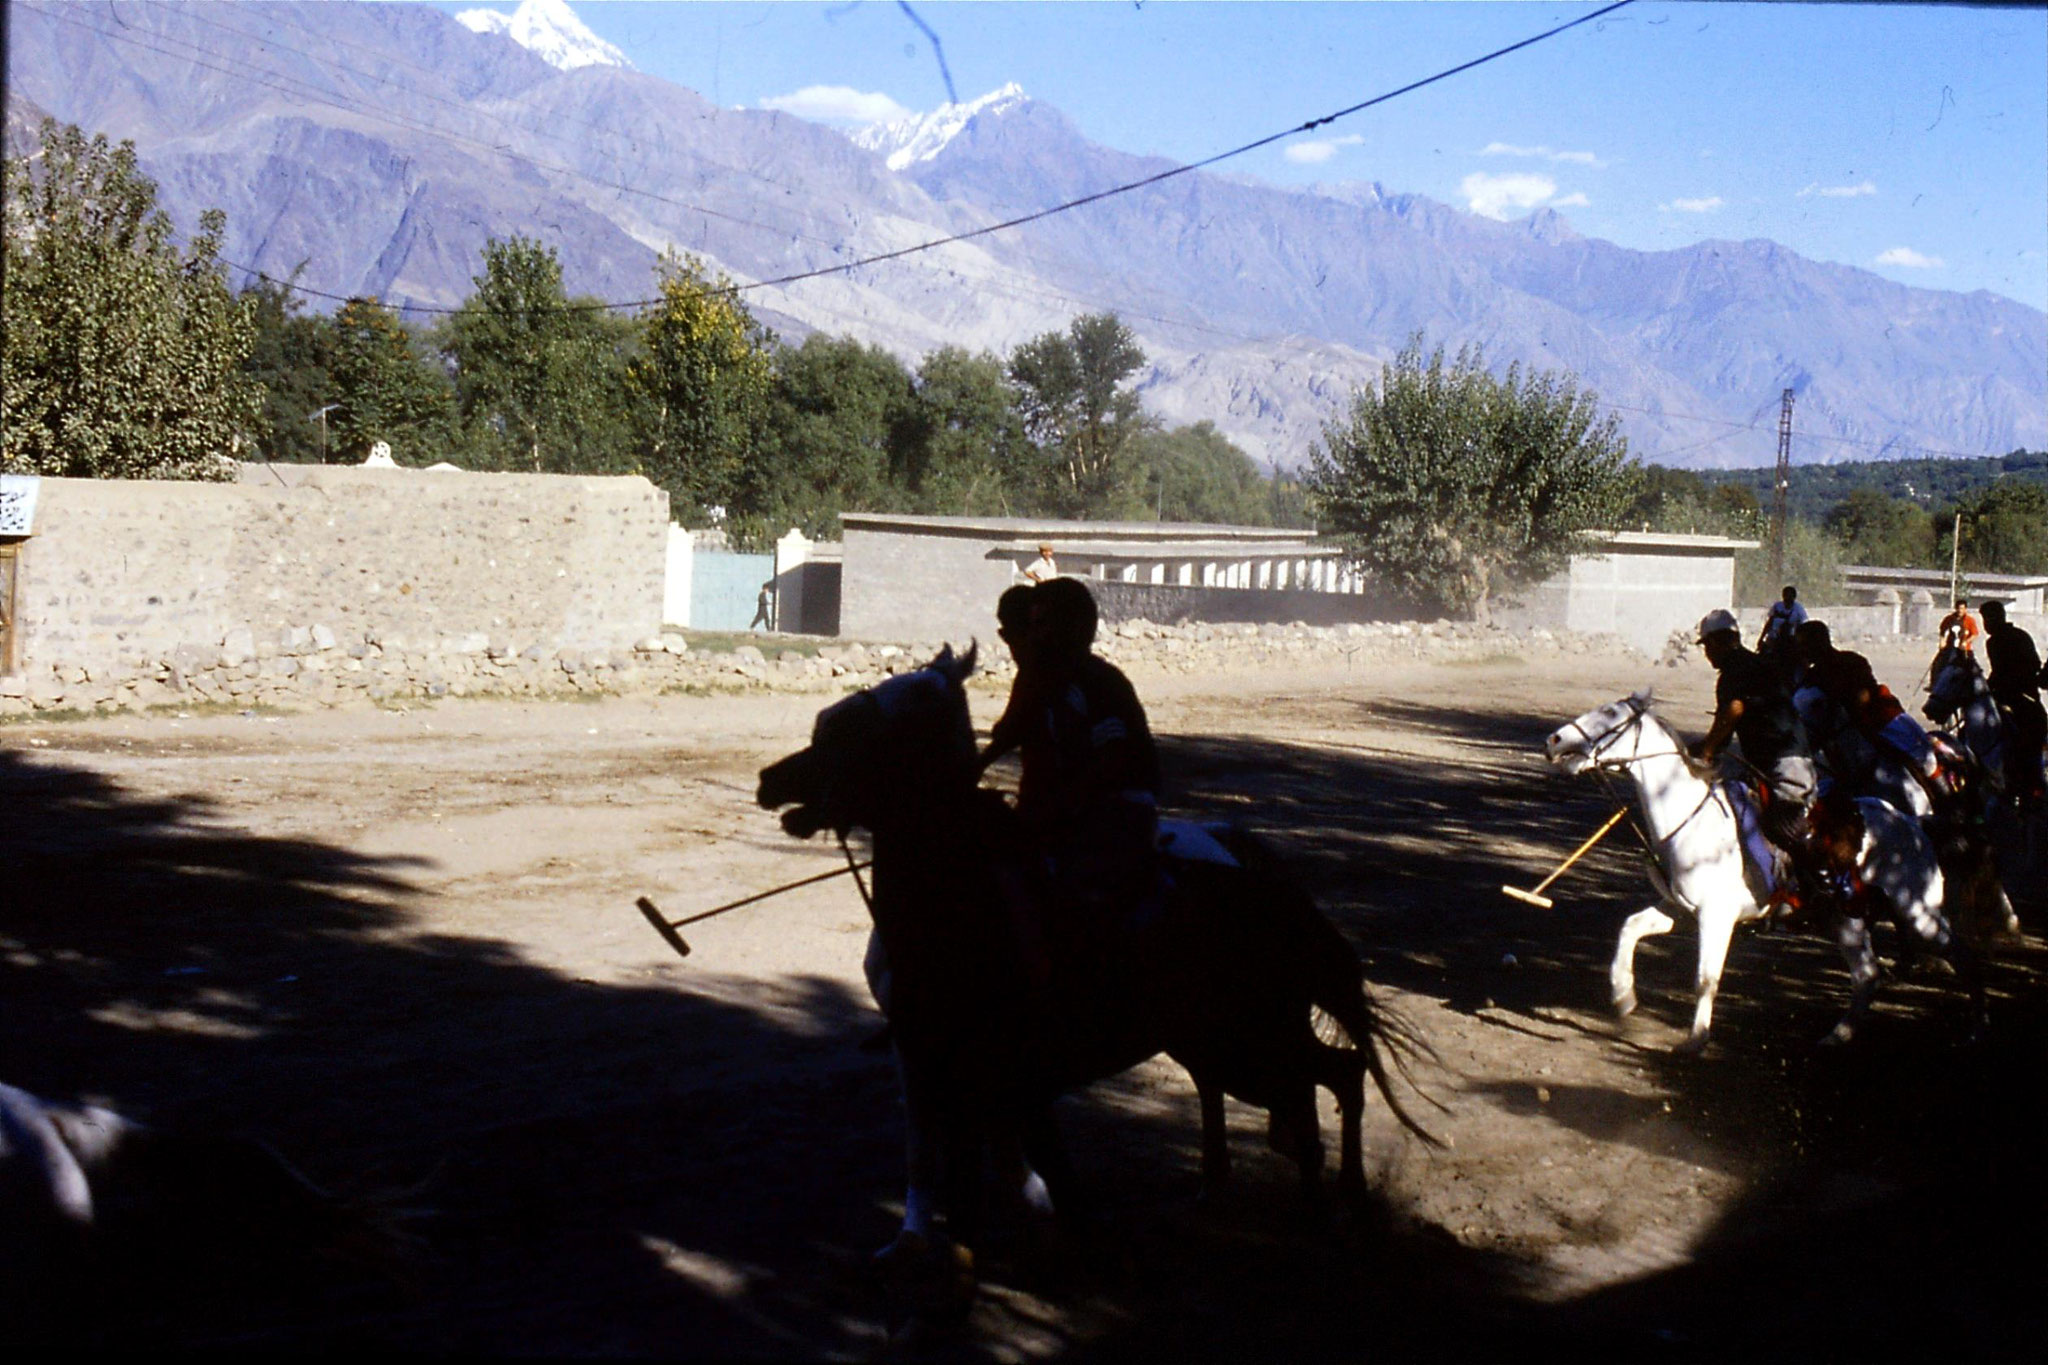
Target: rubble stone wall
[313, 668]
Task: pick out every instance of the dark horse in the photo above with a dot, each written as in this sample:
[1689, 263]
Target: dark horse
[1225, 976]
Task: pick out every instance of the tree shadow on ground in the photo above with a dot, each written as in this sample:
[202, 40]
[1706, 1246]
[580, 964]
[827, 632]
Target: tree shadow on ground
[655, 1168]
[1896, 1191]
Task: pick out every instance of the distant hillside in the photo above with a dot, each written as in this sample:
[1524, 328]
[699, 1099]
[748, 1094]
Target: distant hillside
[1934, 484]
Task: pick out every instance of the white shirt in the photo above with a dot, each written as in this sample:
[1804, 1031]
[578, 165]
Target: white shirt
[1041, 568]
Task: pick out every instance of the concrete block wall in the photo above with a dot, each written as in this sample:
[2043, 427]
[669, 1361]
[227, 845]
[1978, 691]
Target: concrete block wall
[899, 585]
[124, 575]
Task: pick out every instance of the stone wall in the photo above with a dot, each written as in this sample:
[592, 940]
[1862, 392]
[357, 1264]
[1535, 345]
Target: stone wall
[311, 669]
[126, 579]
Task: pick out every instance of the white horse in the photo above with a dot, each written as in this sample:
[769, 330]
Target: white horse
[1698, 839]
[1693, 826]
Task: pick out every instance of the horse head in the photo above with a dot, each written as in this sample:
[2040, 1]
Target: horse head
[1579, 744]
[887, 749]
[1954, 679]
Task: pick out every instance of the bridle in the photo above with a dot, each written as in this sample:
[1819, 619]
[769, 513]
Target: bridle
[1596, 747]
[1607, 767]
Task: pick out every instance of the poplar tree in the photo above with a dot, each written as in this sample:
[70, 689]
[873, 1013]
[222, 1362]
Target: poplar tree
[1449, 483]
[539, 376]
[1071, 393]
[385, 389]
[122, 354]
[701, 381]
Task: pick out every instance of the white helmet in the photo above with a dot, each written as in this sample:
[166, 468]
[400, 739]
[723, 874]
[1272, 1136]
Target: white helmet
[1716, 621]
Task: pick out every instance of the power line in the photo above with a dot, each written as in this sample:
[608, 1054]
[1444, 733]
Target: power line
[933, 244]
[340, 103]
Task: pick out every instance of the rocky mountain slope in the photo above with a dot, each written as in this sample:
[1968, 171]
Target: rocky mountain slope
[376, 147]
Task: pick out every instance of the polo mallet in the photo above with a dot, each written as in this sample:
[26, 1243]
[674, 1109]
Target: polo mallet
[1536, 897]
[667, 927]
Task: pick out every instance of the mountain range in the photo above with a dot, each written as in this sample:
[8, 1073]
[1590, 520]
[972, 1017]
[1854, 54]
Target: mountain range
[374, 148]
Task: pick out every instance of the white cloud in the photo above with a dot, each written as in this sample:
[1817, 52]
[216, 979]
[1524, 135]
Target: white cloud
[838, 104]
[1838, 191]
[1496, 196]
[1908, 259]
[1707, 205]
[1543, 153]
[1574, 200]
[1314, 152]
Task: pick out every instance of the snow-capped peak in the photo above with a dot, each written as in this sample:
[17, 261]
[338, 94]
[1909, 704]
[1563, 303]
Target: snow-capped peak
[550, 30]
[923, 136]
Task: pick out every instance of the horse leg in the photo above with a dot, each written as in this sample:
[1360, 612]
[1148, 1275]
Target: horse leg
[1215, 1137]
[1938, 937]
[1343, 1075]
[1852, 936]
[1717, 929]
[1304, 1137]
[1621, 976]
[921, 1143]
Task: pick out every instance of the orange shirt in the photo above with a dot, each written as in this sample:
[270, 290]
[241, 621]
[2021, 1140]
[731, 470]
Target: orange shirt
[1965, 627]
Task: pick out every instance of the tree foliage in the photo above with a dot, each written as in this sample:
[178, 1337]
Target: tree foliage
[701, 379]
[123, 354]
[1450, 483]
[539, 377]
[963, 450]
[386, 389]
[291, 355]
[1874, 528]
[838, 414]
[2005, 529]
[1195, 473]
[1076, 409]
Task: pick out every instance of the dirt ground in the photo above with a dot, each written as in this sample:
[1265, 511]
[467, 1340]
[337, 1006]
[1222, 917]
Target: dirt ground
[400, 947]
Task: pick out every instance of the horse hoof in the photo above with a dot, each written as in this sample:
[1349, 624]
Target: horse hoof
[1838, 1036]
[1693, 1046]
[934, 1281]
[1625, 1003]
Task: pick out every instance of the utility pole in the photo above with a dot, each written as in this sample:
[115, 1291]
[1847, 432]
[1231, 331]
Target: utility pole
[1955, 561]
[320, 414]
[1780, 490]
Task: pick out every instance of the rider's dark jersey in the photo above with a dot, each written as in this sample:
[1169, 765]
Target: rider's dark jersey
[1768, 729]
[2015, 663]
[1092, 723]
[1844, 675]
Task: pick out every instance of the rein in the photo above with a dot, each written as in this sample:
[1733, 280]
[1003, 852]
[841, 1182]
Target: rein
[854, 868]
[1606, 768]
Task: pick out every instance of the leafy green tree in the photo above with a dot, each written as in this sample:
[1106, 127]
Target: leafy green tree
[1872, 528]
[836, 415]
[1813, 564]
[2005, 529]
[700, 385]
[386, 389]
[122, 355]
[1449, 483]
[963, 444]
[1077, 409]
[1195, 473]
[292, 356]
[539, 377]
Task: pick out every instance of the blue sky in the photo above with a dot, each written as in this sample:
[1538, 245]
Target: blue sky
[1908, 140]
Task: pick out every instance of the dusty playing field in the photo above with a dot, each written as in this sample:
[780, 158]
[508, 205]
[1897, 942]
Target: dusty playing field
[401, 947]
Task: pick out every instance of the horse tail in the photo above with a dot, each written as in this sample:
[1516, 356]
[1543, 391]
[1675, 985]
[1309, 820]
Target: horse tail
[1344, 1009]
[1391, 1044]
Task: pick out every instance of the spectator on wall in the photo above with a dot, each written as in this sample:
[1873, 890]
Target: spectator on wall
[1042, 569]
